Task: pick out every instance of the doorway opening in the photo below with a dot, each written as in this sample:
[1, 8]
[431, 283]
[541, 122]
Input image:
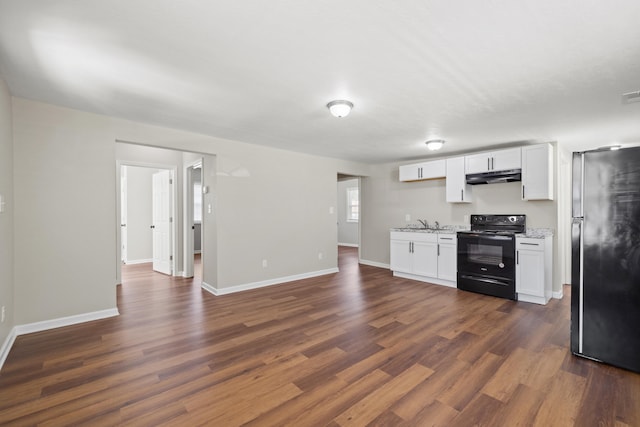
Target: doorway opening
[349, 213]
[194, 189]
[192, 206]
[147, 212]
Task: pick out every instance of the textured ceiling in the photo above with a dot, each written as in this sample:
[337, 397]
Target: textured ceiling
[476, 73]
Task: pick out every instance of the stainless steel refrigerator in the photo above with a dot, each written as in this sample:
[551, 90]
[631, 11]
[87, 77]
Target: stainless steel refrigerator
[605, 272]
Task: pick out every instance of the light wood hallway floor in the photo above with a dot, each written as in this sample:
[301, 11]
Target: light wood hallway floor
[359, 347]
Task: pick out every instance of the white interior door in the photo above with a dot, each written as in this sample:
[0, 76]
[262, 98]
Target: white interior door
[162, 222]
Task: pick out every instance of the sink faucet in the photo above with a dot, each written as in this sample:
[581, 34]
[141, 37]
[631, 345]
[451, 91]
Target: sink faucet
[437, 225]
[424, 223]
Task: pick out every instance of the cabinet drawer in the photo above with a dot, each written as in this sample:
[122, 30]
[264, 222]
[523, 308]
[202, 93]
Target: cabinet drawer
[529, 244]
[414, 237]
[447, 238]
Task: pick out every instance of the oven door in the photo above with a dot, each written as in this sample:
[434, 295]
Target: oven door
[487, 255]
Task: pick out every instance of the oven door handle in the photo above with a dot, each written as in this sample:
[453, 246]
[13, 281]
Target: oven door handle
[484, 280]
[484, 236]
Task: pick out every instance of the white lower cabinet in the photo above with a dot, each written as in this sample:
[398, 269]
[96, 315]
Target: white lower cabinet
[429, 257]
[447, 257]
[533, 269]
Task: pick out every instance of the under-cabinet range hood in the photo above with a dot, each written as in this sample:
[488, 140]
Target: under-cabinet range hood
[494, 177]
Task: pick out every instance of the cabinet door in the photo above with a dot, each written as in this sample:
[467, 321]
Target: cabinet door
[433, 169]
[537, 174]
[477, 163]
[447, 261]
[530, 272]
[409, 172]
[425, 259]
[457, 189]
[506, 159]
[400, 259]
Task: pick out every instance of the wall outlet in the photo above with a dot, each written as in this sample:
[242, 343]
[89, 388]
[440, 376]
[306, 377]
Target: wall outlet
[320, 255]
[466, 219]
[264, 263]
[407, 217]
[2, 315]
[331, 210]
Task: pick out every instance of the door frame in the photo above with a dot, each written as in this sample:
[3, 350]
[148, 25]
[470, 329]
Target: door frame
[189, 244]
[119, 165]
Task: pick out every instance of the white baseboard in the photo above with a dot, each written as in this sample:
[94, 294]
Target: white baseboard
[350, 245]
[207, 287]
[559, 294]
[264, 283]
[29, 328]
[6, 346]
[374, 264]
[65, 321]
[138, 261]
[197, 252]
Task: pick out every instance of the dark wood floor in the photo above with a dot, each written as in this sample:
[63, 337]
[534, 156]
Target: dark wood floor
[354, 348]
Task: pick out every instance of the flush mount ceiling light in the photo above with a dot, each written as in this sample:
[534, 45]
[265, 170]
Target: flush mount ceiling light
[435, 144]
[340, 107]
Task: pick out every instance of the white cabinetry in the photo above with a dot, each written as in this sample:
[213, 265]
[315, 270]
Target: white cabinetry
[493, 161]
[421, 171]
[537, 172]
[414, 253]
[428, 257]
[457, 189]
[447, 257]
[533, 269]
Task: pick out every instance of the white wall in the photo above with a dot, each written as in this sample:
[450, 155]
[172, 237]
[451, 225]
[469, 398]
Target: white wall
[386, 201]
[6, 217]
[347, 231]
[139, 213]
[267, 204]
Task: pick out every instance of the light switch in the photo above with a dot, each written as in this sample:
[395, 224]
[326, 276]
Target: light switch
[407, 217]
[1, 203]
[209, 208]
[331, 209]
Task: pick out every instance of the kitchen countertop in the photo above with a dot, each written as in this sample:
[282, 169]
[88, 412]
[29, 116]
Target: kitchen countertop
[538, 233]
[445, 229]
[531, 233]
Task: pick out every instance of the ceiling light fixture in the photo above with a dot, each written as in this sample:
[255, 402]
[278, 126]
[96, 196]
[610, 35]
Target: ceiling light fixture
[435, 144]
[340, 107]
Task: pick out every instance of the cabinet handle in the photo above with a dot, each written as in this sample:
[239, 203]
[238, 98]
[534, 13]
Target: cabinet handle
[462, 195]
[447, 238]
[488, 163]
[530, 244]
[492, 166]
[438, 249]
[522, 191]
[517, 257]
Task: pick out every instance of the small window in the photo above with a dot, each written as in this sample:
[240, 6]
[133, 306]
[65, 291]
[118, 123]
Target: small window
[353, 204]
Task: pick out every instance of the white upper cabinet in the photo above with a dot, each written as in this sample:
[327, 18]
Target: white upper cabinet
[537, 172]
[498, 160]
[457, 189]
[420, 171]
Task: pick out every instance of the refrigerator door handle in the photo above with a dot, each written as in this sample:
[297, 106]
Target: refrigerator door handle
[576, 237]
[578, 185]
